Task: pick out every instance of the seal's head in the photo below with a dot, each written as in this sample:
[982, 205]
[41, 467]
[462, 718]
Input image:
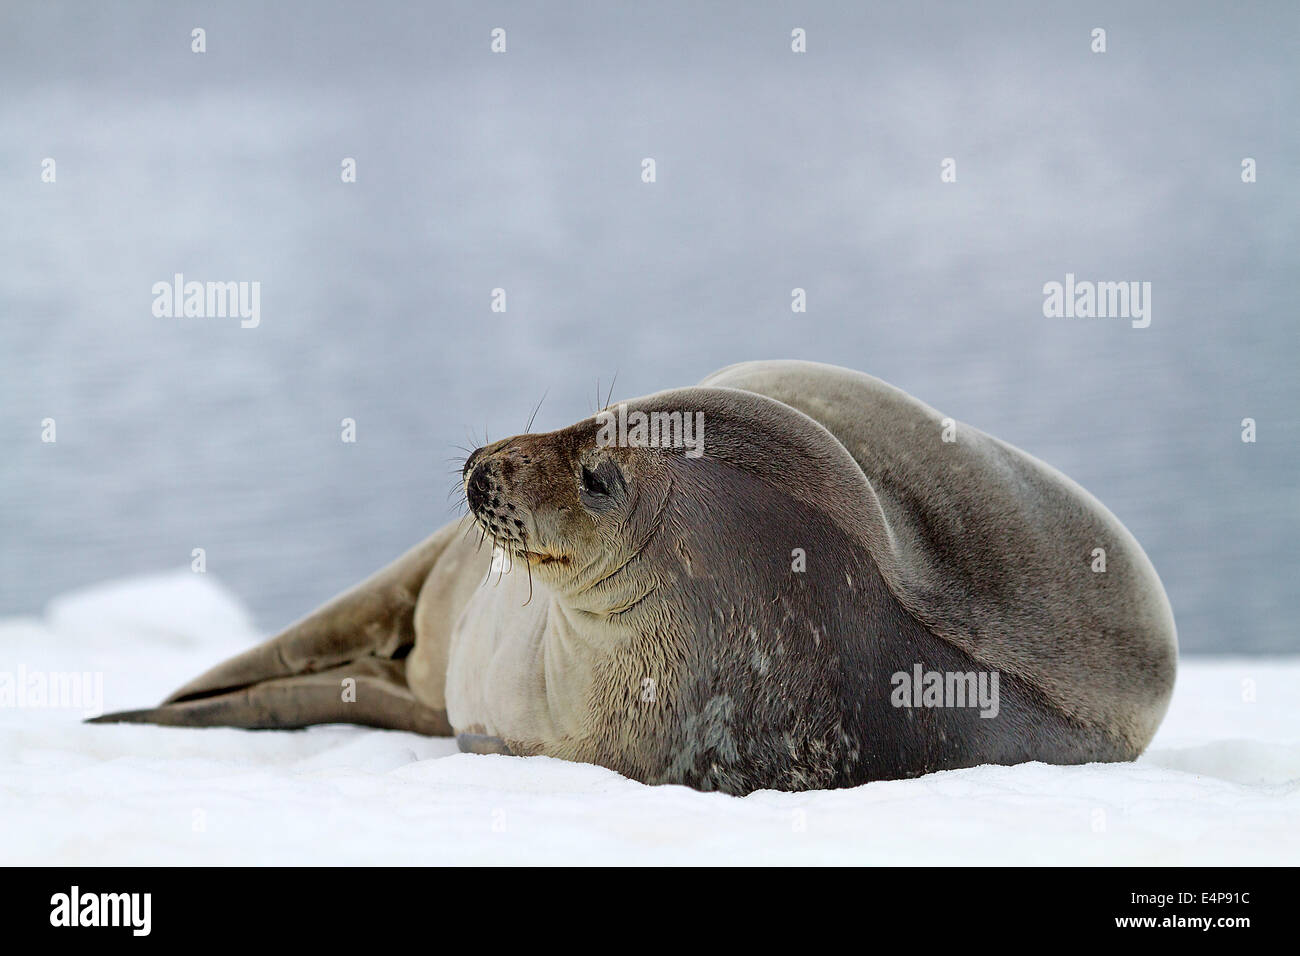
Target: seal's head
[573, 506]
[682, 485]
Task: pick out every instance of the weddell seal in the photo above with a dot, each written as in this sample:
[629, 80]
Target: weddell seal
[795, 576]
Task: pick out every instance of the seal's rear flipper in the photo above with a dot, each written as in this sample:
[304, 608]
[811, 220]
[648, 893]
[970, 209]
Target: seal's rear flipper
[301, 676]
[370, 691]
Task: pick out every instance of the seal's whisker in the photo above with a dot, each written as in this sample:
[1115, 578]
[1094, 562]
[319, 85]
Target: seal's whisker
[610, 394]
[501, 567]
[529, 427]
[529, 566]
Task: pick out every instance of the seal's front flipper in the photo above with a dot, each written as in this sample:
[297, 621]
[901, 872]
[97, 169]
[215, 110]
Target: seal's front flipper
[370, 691]
[299, 677]
[482, 744]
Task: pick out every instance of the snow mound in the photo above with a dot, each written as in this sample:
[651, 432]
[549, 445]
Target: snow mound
[181, 608]
[1220, 784]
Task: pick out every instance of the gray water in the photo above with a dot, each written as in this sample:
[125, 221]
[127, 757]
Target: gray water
[522, 171]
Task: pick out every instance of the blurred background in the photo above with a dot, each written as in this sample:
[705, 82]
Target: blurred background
[522, 171]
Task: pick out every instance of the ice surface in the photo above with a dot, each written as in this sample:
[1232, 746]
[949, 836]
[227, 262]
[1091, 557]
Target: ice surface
[1220, 784]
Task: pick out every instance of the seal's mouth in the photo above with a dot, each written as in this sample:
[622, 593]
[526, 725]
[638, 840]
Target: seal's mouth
[537, 558]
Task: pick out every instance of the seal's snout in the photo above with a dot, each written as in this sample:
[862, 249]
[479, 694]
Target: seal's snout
[504, 484]
[489, 492]
[469, 462]
[478, 487]
[488, 502]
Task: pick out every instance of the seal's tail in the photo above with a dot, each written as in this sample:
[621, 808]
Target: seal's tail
[370, 691]
[345, 663]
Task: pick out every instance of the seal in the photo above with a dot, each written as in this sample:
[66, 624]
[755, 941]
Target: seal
[824, 582]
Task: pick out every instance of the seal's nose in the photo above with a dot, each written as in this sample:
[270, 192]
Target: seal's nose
[469, 462]
[476, 489]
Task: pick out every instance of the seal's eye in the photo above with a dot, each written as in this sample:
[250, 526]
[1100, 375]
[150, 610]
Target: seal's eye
[600, 486]
[592, 483]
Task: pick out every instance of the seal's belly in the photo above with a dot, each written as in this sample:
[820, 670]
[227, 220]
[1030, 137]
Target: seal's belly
[496, 679]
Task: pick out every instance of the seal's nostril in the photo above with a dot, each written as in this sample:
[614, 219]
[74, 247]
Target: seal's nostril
[469, 462]
[477, 489]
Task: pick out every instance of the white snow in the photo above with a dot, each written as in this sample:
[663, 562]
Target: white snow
[1220, 784]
